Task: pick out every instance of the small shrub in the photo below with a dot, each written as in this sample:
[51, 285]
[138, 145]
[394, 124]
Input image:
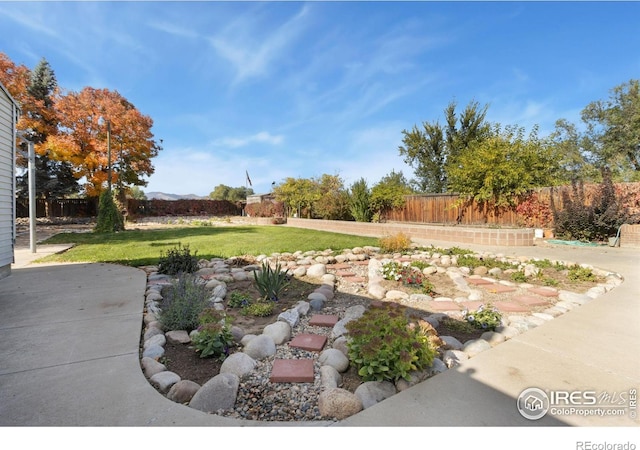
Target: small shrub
[109, 218]
[420, 265]
[550, 282]
[239, 300]
[459, 326]
[178, 260]
[271, 282]
[428, 287]
[457, 251]
[519, 277]
[411, 277]
[485, 317]
[214, 336]
[383, 346]
[259, 309]
[182, 304]
[579, 273]
[396, 243]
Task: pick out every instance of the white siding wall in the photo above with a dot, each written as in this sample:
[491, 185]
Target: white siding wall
[7, 175]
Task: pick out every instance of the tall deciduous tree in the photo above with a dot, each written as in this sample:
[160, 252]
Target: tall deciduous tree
[573, 150]
[498, 169]
[432, 148]
[389, 193]
[224, 192]
[614, 128]
[298, 194]
[85, 117]
[333, 201]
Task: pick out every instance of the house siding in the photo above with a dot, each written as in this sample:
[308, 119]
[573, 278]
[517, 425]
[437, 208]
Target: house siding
[8, 117]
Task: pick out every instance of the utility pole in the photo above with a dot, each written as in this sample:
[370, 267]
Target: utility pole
[109, 153]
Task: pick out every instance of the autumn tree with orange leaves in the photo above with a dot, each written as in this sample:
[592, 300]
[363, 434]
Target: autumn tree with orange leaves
[72, 128]
[82, 138]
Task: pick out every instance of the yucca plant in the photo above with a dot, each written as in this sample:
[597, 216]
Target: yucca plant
[271, 282]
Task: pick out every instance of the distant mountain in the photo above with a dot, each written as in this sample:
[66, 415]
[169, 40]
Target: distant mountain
[163, 196]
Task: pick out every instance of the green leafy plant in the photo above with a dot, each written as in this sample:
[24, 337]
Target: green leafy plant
[472, 262]
[259, 309]
[519, 277]
[239, 300]
[214, 337]
[420, 265]
[271, 282]
[485, 317]
[579, 273]
[182, 304]
[177, 260]
[383, 346]
[459, 326]
[428, 287]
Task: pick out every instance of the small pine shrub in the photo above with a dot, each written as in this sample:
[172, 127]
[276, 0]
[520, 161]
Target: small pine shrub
[178, 260]
[109, 219]
[383, 345]
[214, 337]
[396, 243]
[182, 304]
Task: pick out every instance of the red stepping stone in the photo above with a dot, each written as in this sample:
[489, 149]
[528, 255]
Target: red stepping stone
[500, 289]
[471, 305]
[345, 274]
[361, 263]
[323, 320]
[357, 279]
[443, 306]
[478, 281]
[310, 342]
[292, 371]
[545, 292]
[530, 300]
[339, 266]
[510, 307]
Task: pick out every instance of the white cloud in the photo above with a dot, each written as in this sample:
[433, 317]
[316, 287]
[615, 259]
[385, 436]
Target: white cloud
[253, 55]
[261, 137]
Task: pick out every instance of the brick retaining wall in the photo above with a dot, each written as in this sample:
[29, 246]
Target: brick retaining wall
[462, 235]
[630, 236]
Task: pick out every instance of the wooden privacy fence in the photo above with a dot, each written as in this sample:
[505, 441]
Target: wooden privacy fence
[61, 207]
[88, 207]
[536, 210]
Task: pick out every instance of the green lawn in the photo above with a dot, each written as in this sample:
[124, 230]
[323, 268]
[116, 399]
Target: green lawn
[139, 248]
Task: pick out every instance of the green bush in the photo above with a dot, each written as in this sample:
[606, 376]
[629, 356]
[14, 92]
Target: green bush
[579, 273]
[384, 346]
[182, 304]
[259, 309]
[109, 219]
[271, 282]
[238, 300]
[214, 336]
[177, 260]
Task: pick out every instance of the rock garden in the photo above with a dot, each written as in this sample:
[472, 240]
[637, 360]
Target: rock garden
[319, 336]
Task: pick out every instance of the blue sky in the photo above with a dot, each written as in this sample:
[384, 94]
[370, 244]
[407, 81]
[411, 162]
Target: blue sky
[293, 89]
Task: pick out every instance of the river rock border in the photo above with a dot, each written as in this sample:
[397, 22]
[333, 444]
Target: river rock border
[219, 394]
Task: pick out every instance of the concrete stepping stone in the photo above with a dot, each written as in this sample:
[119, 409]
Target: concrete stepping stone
[292, 371]
[323, 320]
[471, 306]
[309, 342]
